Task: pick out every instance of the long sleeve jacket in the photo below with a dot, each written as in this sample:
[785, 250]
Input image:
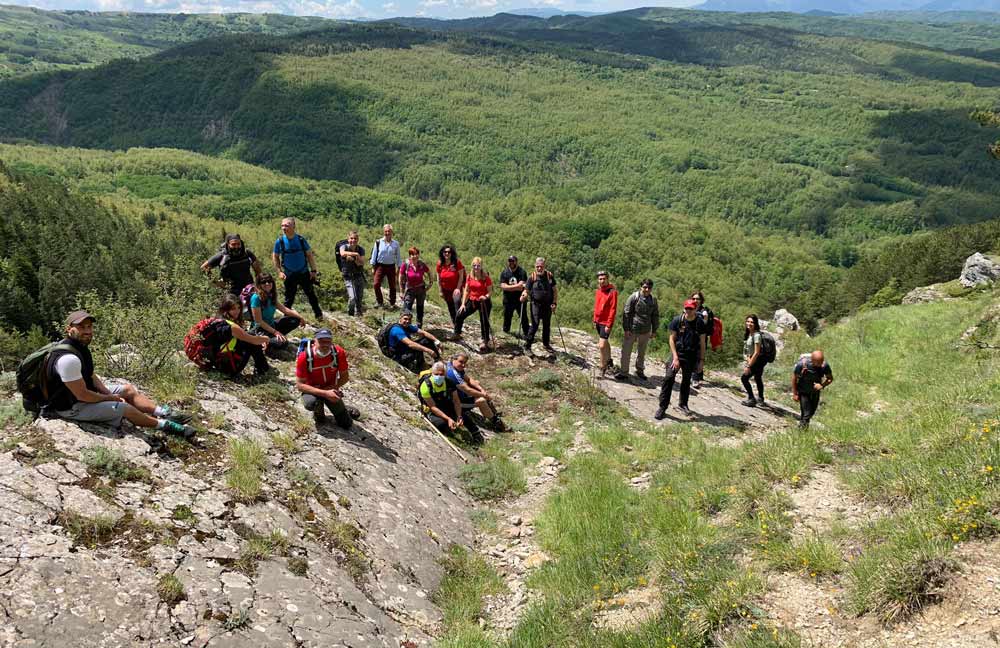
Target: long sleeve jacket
[641, 314]
[605, 306]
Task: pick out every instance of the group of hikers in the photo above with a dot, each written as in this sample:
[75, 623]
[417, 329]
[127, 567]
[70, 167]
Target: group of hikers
[251, 323]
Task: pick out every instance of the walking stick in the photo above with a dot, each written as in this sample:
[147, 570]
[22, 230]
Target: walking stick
[446, 440]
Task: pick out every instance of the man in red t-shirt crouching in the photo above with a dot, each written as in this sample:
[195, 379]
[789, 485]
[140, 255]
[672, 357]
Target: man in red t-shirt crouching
[320, 372]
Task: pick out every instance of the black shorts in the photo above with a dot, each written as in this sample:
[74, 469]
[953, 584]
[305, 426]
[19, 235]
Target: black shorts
[603, 332]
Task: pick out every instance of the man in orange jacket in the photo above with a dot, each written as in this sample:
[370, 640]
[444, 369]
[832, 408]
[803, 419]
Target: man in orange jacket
[605, 307]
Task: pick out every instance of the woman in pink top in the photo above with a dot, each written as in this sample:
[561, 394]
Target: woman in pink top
[413, 277]
[477, 298]
[451, 278]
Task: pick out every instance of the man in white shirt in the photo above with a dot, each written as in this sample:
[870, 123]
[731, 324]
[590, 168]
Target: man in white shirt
[76, 393]
[385, 264]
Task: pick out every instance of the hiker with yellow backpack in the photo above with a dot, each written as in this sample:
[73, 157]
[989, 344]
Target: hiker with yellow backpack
[440, 402]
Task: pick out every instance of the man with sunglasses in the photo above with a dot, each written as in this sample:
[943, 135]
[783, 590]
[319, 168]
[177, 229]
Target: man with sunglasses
[512, 281]
[687, 349]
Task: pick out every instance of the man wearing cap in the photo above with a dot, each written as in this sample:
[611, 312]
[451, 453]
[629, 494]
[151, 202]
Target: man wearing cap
[640, 321]
[409, 351]
[320, 371]
[687, 350]
[512, 281]
[76, 393]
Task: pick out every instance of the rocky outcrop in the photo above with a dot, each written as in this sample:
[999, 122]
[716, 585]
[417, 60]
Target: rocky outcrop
[785, 320]
[925, 294]
[340, 548]
[979, 269]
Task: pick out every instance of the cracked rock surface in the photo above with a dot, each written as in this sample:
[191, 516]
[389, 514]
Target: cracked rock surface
[81, 556]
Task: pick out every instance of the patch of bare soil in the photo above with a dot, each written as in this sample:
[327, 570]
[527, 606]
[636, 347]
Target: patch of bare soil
[821, 502]
[629, 609]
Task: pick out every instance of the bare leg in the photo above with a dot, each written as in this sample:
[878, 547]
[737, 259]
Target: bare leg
[484, 408]
[139, 419]
[138, 400]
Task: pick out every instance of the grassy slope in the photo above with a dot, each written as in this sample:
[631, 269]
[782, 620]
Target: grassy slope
[34, 40]
[927, 458]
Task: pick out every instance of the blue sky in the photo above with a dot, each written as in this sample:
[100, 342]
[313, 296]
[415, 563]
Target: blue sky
[348, 8]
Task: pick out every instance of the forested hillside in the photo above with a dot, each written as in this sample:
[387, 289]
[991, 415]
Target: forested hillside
[34, 40]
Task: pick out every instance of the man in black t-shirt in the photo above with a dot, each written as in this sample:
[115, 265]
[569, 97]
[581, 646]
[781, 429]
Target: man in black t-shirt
[687, 351]
[512, 281]
[235, 263]
[811, 375]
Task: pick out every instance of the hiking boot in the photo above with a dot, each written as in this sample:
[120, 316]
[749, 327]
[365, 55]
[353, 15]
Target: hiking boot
[319, 416]
[483, 348]
[178, 417]
[661, 412]
[178, 429]
[761, 402]
[353, 412]
[639, 374]
[621, 376]
[548, 347]
[498, 424]
[749, 402]
[527, 347]
[683, 409]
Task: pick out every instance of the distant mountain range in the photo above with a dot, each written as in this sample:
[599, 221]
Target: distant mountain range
[815, 7]
[548, 12]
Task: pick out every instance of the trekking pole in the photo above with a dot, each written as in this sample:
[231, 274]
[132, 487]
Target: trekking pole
[446, 440]
[562, 339]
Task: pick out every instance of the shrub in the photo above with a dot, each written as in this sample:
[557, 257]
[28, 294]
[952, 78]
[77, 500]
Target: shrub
[170, 589]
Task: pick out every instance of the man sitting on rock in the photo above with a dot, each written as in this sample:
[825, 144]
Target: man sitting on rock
[320, 371]
[410, 343]
[471, 392]
[441, 405]
[76, 393]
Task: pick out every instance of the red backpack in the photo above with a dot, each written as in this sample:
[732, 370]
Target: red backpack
[715, 337]
[203, 342]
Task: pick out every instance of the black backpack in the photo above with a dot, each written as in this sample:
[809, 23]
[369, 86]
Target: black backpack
[382, 337]
[768, 347]
[33, 374]
[340, 259]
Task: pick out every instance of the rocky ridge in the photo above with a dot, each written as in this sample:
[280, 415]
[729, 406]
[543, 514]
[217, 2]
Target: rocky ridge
[340, 548]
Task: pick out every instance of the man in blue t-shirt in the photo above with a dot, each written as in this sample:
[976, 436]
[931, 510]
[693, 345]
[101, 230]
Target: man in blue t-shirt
[409, 351]
[471, 392]
[296, 265]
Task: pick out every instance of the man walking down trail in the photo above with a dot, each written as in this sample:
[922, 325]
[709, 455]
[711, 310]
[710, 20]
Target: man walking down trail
[353, 271]
[295, 263]
[76, 393]
[320, 371]
[687, 351]
[540, 290]
[512, 281]
[605, 308]
[811, 376]
[640, 322]
[234, 264]
[385, 264]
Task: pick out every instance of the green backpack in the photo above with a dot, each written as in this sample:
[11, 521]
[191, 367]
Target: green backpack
[32, 376]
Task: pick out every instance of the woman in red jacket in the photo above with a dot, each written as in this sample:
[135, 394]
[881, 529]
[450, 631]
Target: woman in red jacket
[477, 297]
[451, 278]
[605, 307]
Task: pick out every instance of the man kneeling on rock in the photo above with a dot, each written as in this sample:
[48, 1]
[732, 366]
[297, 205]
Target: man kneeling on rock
[320, 371]
[76, 393]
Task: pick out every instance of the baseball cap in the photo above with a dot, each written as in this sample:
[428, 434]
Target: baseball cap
[78, 316]
[690, 304]
[512, 258]
[324, 334]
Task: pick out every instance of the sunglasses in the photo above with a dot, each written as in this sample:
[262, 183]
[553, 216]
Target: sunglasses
[264, 283]
[688, 308]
